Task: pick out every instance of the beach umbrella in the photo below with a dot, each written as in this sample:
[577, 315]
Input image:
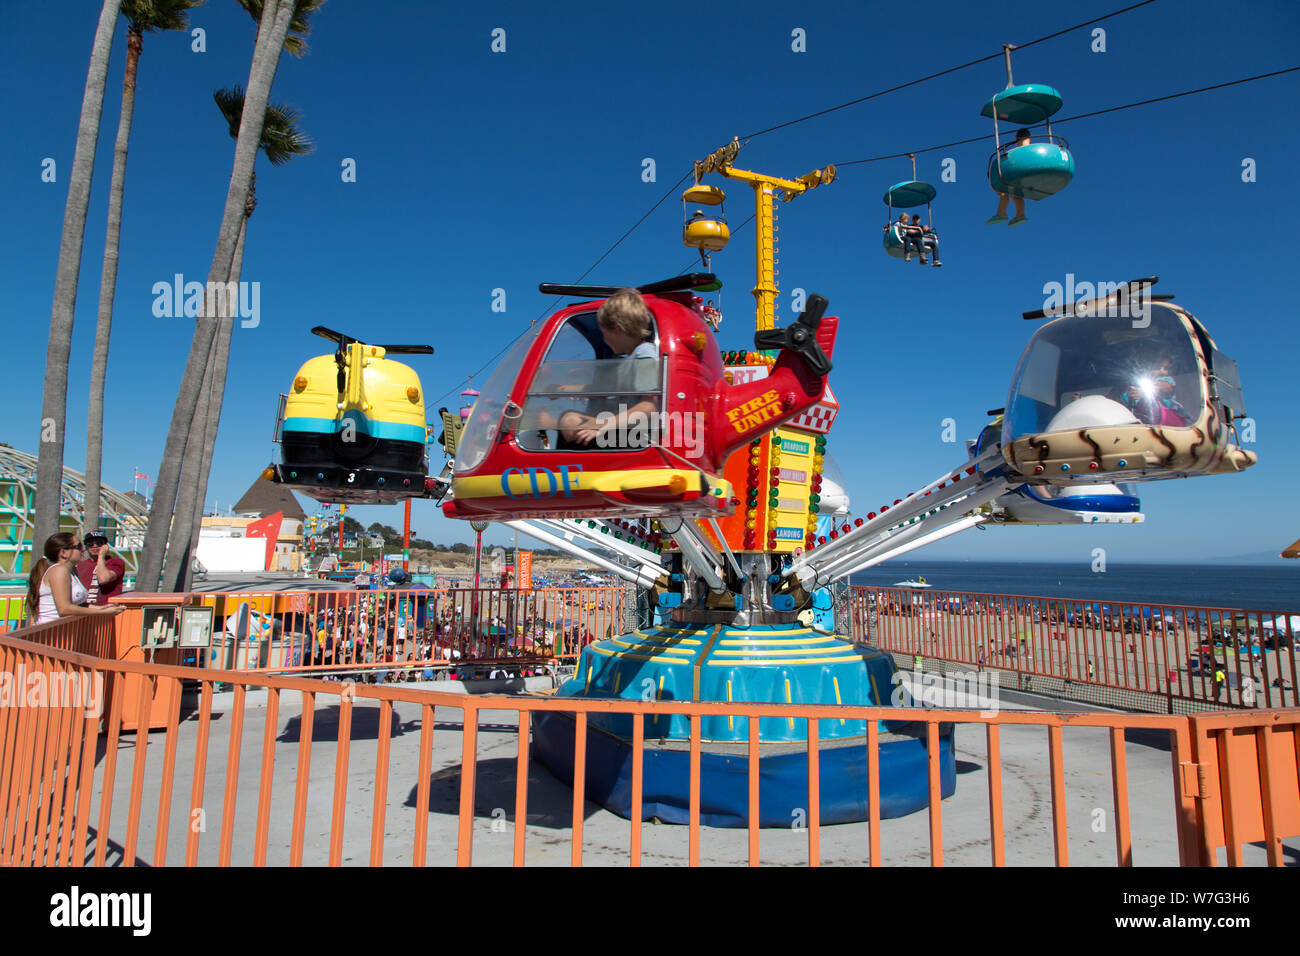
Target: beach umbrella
[1282, 621]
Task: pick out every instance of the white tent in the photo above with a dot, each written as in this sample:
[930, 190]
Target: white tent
[1281, 622]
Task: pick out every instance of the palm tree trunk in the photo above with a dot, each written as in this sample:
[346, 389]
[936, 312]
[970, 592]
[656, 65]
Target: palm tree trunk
[207, 416]
[108, 286]
[171, 494]
[54, 404]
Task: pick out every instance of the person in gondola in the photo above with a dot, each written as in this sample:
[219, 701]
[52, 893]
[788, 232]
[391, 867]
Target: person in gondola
[911, 238]
[1022, 138]
[929, 240]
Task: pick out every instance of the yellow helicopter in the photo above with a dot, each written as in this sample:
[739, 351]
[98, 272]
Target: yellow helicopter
[352, 429]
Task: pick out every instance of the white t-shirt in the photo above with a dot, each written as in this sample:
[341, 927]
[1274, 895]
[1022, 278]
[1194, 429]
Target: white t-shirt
[46, 609]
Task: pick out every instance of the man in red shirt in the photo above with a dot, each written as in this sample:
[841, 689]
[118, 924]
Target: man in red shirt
[101, 573]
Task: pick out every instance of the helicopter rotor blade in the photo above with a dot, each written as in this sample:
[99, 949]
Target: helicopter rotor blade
[1117, 298]
[408, 349]
[330, 334]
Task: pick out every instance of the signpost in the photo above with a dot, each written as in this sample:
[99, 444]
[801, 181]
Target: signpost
[479, 527]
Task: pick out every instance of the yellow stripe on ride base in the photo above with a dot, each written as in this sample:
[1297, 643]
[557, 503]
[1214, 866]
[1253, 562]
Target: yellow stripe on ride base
[627, 655]
[810, 660]
[791, 650]
[782, 642]
[801, 630]
[657, 650]
[668, 640]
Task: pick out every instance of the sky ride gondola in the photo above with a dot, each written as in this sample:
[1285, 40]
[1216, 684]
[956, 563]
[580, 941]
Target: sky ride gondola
[1142, 396]
[351, 429]
[1033, 167]
[517, 458]
[705, 232]
[908, 195]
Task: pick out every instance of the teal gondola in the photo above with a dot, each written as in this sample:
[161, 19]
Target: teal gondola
[905, 195]
[1033, 170]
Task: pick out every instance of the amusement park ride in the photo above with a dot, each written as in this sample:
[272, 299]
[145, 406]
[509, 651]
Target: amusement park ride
[721, 506]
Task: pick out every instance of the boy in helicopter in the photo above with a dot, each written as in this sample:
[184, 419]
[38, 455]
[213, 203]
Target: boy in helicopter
[624, 321]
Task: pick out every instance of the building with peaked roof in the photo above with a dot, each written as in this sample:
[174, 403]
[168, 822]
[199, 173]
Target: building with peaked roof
[266, 498]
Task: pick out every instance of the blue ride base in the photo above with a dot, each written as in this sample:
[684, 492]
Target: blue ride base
[757, 664]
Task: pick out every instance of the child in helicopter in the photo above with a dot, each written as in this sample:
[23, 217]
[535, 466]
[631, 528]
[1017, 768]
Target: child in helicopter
[1151, 397]
[624, 321]
[1022, 138]
[929, 240]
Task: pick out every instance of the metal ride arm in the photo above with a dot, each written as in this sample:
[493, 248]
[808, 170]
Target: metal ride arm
[700, 556]
[626, 550]
[969, 487]
[640, 576]
[817, 573]
[937, 534]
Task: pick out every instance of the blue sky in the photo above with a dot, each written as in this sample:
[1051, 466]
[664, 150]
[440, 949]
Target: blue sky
[479, 170]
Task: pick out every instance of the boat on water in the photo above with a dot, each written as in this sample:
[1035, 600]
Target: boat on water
[920, 582]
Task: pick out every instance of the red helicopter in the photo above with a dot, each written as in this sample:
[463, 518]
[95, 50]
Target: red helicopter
[566, 428]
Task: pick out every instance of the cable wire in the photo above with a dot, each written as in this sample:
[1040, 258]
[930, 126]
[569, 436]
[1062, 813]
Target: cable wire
[1070, 119]
[951, 69]
[546, 310]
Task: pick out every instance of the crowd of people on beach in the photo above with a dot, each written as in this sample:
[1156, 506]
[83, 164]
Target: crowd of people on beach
[425, 633]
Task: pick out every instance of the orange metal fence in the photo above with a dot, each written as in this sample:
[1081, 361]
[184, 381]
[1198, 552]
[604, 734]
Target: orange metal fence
[1152, 656]
[1232, 777]
[410, 629]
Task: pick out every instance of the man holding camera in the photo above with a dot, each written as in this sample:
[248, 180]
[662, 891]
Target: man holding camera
[103, 574]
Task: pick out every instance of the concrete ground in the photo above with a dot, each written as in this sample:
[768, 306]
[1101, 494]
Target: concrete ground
[260, 581]
[904, 842]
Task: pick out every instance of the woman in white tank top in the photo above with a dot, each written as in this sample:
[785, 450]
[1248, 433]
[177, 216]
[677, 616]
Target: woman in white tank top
[53, 589]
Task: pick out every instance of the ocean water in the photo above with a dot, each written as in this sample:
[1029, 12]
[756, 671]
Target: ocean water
[1262, 588]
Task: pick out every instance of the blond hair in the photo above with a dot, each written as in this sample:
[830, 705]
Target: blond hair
[625, 311]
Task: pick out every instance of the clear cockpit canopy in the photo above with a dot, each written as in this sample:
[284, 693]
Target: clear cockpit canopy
[1096, 371]
[486, 417]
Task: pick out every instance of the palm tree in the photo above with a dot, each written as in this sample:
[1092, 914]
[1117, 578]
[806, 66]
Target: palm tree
[196, 460]
[282, 140]
[273, 29]
[54, 403]
[295, 44]
[142, 16]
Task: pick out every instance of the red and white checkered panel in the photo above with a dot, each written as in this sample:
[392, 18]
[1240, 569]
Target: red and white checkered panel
[820, 417]
[817, 419]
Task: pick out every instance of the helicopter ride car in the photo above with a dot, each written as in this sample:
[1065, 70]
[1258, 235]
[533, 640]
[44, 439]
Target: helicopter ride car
[1142, 397]
[516, 458]
[352, 429]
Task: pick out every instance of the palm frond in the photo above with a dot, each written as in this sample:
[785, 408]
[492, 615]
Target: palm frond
[282, 139]
[231, 103]
[145, 16]
[295, 44]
